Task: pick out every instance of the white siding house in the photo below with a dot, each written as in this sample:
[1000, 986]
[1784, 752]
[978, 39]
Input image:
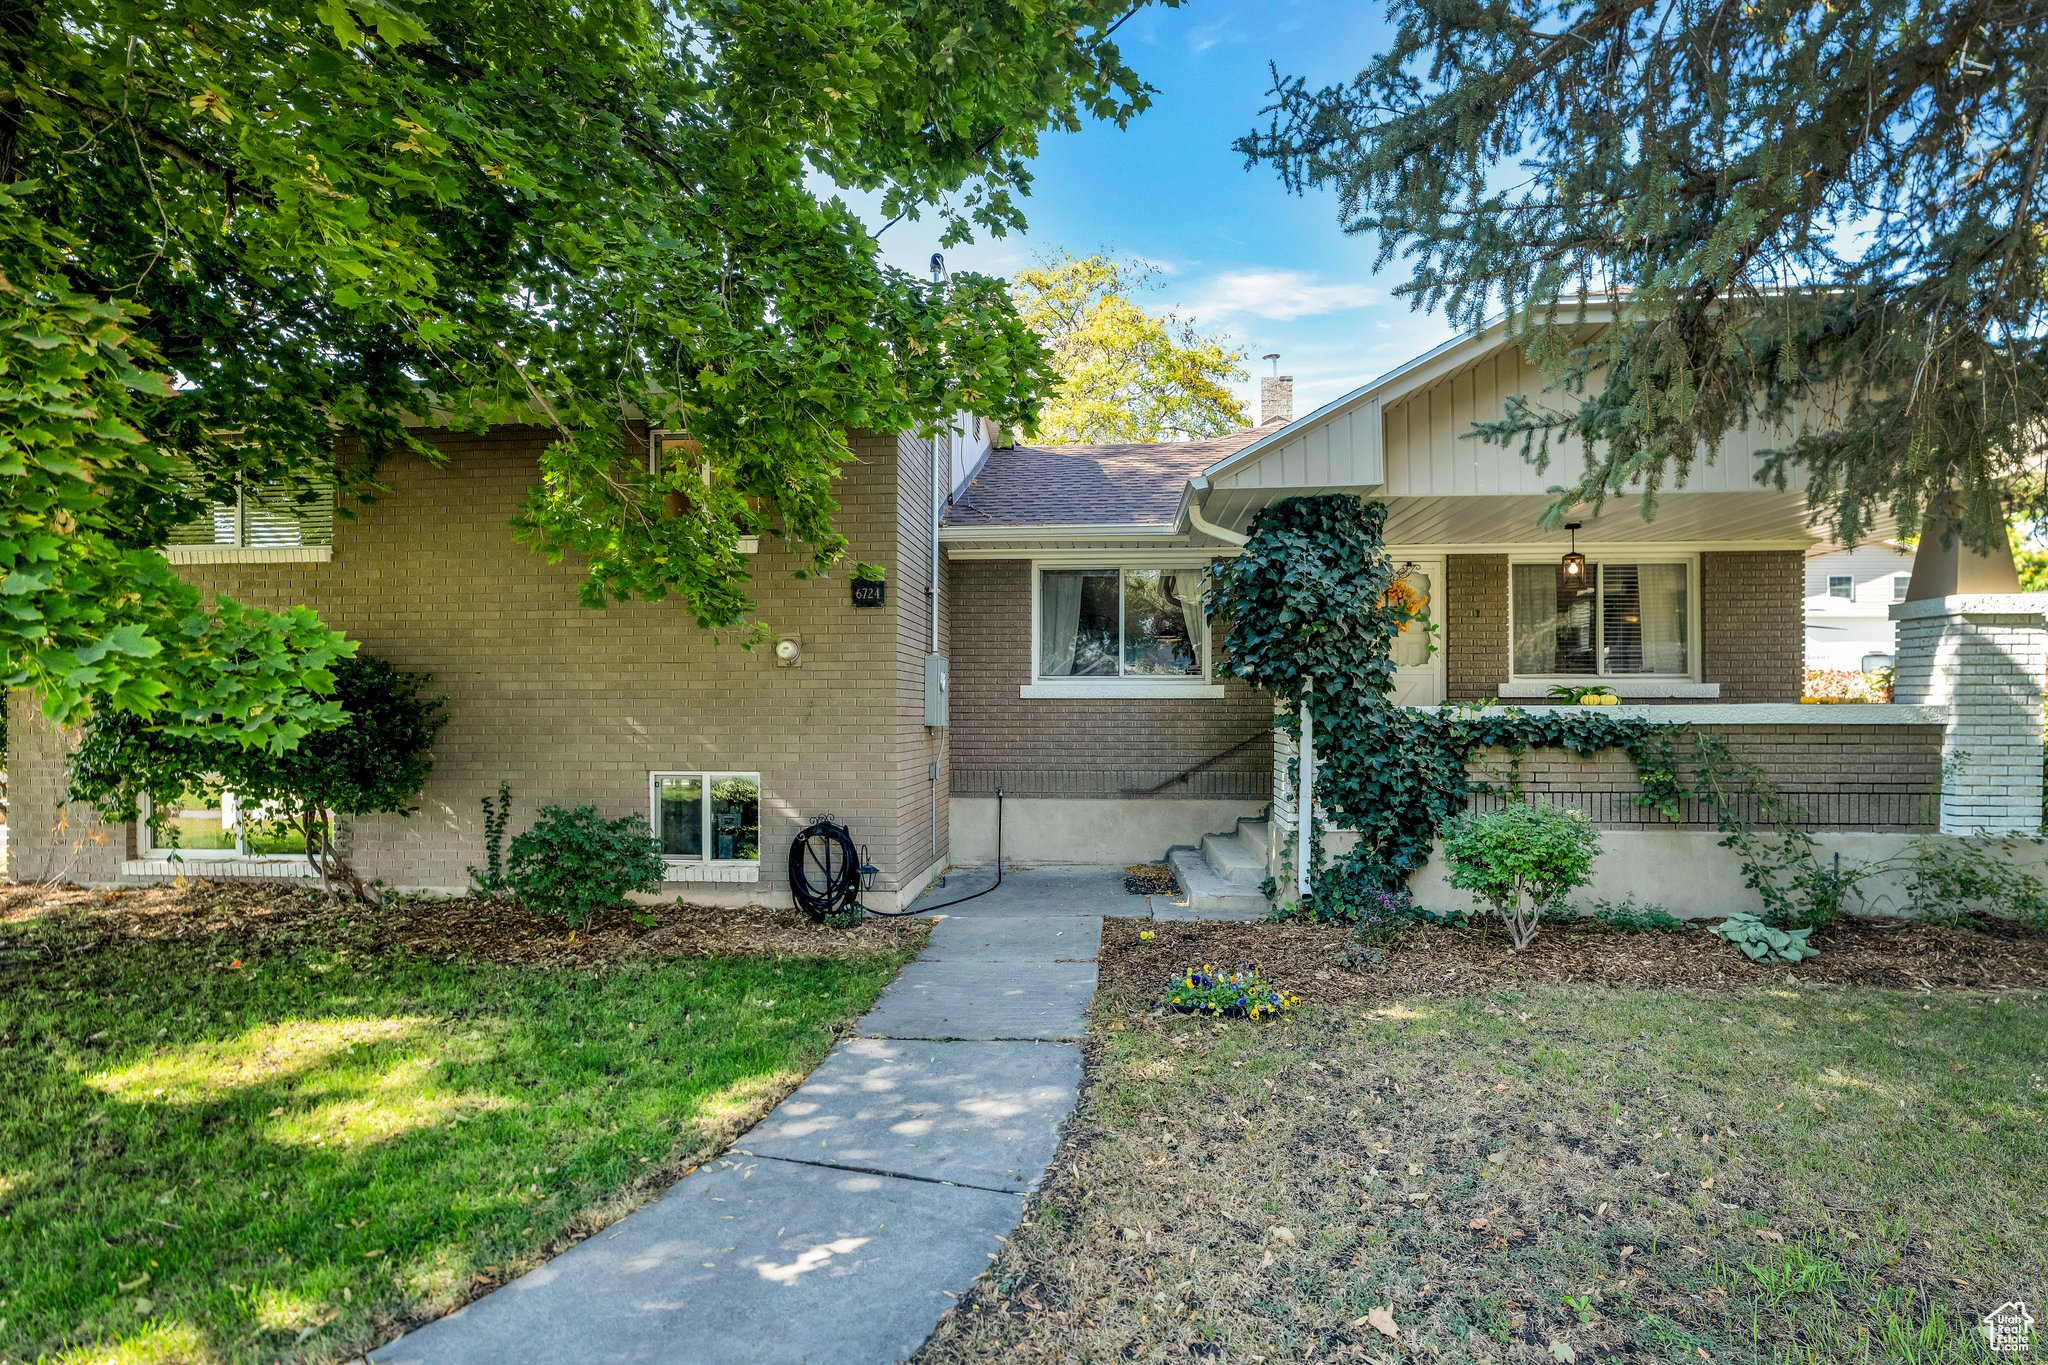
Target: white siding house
[1849, 597]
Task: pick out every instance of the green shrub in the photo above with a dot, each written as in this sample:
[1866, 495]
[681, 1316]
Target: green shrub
[1821, 892]
[572, 862]
[375, 762]
[1761, 942]
[1521, 859]
[1630, 918]
[1947, 882]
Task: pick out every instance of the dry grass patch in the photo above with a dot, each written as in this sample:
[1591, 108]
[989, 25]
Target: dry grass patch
[1539, 1174]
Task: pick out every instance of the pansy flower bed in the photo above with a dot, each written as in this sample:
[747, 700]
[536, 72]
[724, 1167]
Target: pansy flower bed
[1239, 993]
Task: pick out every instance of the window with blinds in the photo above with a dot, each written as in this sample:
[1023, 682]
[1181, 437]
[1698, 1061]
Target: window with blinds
[263, 517]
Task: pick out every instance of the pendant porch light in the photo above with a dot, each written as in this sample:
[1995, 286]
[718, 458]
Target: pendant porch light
[1574, 563]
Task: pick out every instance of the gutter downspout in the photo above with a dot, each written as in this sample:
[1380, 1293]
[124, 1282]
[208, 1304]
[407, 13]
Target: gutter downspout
[1196, 487]
[938, 512]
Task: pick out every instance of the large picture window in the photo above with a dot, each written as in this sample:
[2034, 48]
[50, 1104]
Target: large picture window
[1121, 623]
[707, 817]
[1617, 620]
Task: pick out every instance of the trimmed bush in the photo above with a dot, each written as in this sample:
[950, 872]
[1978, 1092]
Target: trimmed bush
[1520, 860]
[573, 862]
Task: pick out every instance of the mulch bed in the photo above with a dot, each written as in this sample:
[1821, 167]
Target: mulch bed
[1150, 879]
[257, 915]
[1321, 962]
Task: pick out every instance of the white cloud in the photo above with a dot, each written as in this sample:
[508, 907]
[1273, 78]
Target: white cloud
[1277, 295]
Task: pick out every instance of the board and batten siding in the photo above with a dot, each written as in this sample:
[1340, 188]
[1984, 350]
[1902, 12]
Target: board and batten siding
[1430, 451]
[1341, 451]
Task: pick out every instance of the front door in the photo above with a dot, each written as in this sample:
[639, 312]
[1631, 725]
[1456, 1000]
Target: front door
[1418, 652]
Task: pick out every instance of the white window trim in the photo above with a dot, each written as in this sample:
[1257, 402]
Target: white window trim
[1141, 687]
[705, 868]
[249, 554]
[163, 861]
[1623, 684]
[1847, 580]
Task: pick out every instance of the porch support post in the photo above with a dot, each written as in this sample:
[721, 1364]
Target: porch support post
[1305, 798]
[1981, 656]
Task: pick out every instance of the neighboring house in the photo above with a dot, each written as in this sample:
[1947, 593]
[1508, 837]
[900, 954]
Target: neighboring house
[1849, 598]
[1085, 680]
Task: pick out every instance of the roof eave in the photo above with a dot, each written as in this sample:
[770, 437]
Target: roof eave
[1078, 530]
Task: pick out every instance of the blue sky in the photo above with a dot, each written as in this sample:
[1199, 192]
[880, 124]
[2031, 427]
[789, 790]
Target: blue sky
[1236, 252]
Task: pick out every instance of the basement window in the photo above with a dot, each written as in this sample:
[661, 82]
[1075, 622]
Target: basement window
[706, 819]
[205, 825]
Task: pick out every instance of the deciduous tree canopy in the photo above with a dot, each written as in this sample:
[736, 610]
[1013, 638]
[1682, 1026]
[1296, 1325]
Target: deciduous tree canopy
[230, 233]
[1124, 374]
[1840, 205]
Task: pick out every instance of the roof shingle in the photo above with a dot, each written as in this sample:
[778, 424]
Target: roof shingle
[1088, 485]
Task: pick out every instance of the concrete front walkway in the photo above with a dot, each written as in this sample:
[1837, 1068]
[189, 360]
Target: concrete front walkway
[842, 1225]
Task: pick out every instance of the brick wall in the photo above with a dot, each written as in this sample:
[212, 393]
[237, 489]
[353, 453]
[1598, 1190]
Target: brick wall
[1753, 623]
[1843, 777]
[1475, 641]
[571, 705]
[1108, 748]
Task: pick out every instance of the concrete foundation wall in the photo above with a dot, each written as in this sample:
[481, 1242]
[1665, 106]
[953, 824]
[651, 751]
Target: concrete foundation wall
[1038, 831]
[1688, 873]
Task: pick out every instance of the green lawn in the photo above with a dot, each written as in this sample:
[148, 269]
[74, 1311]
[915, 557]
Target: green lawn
[1564, 1172]
[285, 1158]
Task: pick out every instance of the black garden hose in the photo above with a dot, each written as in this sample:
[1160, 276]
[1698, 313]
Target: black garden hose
[962, 900]
[824, 876]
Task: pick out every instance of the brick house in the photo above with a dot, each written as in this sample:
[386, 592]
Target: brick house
[1063, 587]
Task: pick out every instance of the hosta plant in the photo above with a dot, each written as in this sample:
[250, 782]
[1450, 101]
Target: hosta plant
[1761, 942]
[1239, 993]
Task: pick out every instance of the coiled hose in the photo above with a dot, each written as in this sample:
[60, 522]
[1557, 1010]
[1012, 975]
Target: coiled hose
[824, 878]
[824, 875]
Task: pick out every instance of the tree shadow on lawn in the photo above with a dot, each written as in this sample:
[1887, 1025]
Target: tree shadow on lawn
[1539, 1175]
[293, 1155]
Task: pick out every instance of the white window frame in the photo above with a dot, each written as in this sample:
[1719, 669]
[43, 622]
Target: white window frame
[1686, 684]
[1134, 687]
[1848, 581]
[160, 860]
[239, 551]
[703, 868]
[1902, 583]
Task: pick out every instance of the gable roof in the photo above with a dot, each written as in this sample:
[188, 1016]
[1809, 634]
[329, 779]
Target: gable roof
[1123, 485]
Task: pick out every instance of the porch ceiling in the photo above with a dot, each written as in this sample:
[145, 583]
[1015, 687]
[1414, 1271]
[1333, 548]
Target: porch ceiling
[1760, 518]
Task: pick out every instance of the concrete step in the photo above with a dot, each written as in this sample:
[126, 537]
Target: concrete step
[1236, 864]
[1257, 835]
[1204, 895]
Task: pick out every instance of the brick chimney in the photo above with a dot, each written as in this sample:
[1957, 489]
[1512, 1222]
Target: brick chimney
[1276, 395]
